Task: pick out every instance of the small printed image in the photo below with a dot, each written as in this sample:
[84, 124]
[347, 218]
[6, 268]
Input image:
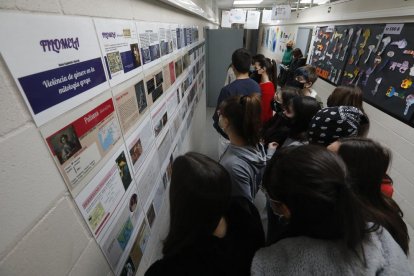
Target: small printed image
[150, 85]
[136, 57]
[154, 51]
[178, 95]
[126, 33]
[157, 93]
[64, 144]
[136, 151]
[143, 235]
[125, 234]
[164, 119]
[129, 268]
[133, 203]
[159, 79]
[186, 61]
[146, 56]
[136, 253]
[158, 128]
[109, 135]
[96, 216]
[114, 62]
[172, 71]
[151, 215]
[141, 97]
[123, 170]
[178, 67]
[164, 48]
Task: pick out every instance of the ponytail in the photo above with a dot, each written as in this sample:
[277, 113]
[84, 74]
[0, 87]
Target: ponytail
[273, 76]
[251, 107]
[243, 113]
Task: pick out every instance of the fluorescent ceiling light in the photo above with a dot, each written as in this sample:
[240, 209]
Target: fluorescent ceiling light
[188, 5]
[247, 2]
[319, 2]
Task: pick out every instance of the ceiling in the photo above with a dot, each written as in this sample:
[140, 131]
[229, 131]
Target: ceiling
[210, 9]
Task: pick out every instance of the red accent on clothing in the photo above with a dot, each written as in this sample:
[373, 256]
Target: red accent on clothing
[268, 92]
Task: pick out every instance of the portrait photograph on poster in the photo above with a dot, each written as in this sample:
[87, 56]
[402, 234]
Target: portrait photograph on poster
[139, 143]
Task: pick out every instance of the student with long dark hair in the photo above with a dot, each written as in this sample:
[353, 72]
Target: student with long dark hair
[301, 111]
[210, 233]
[327, 232]
[367, 163]
[268, 71]
[277, 128]
[245, 158]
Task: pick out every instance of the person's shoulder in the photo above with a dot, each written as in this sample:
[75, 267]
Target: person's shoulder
[160, 267]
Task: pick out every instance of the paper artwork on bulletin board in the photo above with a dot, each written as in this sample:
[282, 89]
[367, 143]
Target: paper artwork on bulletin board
[118, 40]
[379, 58]
[57, 65]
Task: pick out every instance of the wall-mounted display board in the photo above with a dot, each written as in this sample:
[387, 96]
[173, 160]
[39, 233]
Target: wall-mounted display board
[379, 58]
[113, 139]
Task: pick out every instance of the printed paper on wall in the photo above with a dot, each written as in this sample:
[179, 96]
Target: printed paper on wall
[57, 64]
[81, 139]
[119, 44]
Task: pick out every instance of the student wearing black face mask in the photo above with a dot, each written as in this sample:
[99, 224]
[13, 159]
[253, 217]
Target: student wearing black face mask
[304, 78]
[298, 61]
[254, 75]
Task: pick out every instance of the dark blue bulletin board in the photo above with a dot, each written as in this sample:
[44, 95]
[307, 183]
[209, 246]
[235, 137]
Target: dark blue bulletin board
[379, 59]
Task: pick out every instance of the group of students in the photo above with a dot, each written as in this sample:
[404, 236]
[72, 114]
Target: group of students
[329, 203]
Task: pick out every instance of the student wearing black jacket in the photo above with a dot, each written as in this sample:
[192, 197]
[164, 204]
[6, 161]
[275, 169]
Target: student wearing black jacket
[210, 232]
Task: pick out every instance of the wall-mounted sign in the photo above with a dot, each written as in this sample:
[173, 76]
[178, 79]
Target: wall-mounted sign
[57, 64]
[225, 19]
[281, 12]
[253, 20]
[237, 16]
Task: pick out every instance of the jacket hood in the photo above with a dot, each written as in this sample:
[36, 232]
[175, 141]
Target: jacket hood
[256, 156]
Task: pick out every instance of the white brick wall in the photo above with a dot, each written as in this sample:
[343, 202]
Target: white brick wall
[42, 232]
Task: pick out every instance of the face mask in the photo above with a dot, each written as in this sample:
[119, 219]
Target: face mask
[289, 47]
[277, 107]
[297, 84]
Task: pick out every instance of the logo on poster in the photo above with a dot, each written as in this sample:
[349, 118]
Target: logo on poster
[57, 44]
[108, 35]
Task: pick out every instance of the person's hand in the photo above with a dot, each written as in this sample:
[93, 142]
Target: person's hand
[273, 145]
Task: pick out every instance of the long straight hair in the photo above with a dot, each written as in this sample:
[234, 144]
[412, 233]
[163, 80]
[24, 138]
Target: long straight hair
[367, 162]
[243, 113]
[311, 182]
[199, 198]
[304, 108]
[271, 69]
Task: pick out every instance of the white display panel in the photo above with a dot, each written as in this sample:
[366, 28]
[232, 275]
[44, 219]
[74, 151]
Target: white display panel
[55, 61]
[118, 40]
[149, 43]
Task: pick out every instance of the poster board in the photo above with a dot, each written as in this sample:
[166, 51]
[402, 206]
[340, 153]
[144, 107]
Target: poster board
[381, 62]
[118, 40]
[66, 67]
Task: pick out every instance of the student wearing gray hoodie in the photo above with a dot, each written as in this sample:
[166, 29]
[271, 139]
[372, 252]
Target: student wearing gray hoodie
[329, 231]
[245, 157]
